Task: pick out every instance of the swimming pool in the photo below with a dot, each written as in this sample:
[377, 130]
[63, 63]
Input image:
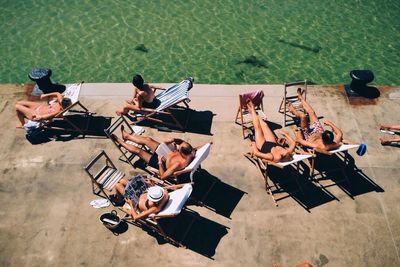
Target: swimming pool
[230, 41]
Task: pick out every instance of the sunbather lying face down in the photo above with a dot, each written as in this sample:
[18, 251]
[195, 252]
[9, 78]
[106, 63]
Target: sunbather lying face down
[166, 165]
[143, 97]
[149, 202]
[311, 133]
[41, 110]
[266, 145]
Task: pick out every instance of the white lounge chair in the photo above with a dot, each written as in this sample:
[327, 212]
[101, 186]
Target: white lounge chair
[169, 98]
[263, 165]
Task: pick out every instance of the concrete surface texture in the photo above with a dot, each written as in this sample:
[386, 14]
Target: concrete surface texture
[46, 219]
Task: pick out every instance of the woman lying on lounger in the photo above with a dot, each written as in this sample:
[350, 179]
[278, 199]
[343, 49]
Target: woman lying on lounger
[143, 97]
[151, 201]
[266, 145]
[38, 111]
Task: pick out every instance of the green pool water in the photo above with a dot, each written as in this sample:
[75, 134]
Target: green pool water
[227, 41]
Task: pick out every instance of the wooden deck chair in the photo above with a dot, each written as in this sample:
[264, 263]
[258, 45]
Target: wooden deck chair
[263, 165]
[243, 116]
[201, 154]
[126, 156]
[394, 141]
[169, 98]
[71, 92]
[174, 206]
[103, 174]
[290, 95]
[342, 153]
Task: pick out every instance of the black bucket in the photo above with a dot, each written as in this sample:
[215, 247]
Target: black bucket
[110, 220]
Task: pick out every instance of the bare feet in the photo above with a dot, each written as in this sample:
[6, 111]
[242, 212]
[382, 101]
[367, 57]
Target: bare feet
[300, 93]
[384, 141]
[118, 112]
[19, 126]
[124, 133]
[250, 104]
[291, 108]
[116, 139]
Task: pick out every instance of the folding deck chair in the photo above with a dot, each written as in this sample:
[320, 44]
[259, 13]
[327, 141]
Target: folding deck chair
[137, 130]
[71, 92]
[393, 133]
[201, 155]
[263, 166]
[342, 153]
[174, 206]
[290, 95]
[242, 113]
[169, 98]
[103, 174]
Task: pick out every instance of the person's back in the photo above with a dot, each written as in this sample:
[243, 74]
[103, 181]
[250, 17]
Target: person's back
[181, 157]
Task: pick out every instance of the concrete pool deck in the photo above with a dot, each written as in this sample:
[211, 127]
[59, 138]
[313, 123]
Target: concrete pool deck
[47, 220]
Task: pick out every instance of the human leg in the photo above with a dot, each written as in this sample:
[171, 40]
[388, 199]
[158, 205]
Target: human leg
[389, 127]
[22, 113]
[144, 155]
[141, 140]
[120, 186]
[258, 131]
[299, 114]
[307, 107]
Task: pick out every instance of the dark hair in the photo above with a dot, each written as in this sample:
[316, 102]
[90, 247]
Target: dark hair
[138, 81]
[186, 150]
[327, 137]
[66, 102]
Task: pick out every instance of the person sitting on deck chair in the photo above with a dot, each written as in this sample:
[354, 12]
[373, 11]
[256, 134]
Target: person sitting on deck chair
[143, 97]
[311, 133]
[175, 160]
[151, 201]
[266, 145]
[38, 111]
[389, 128]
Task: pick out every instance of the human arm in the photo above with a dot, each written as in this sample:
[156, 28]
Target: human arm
[338, 133]
[291, 143]
[165, 173]
[154, 88]
[130, 210]
[52, 95]
[300, 139]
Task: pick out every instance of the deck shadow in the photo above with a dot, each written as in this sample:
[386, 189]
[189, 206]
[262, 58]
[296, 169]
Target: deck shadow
[214, 194]
[352, 180]
[305, 193]
[94, 125]
[199, 122]
[197, 233]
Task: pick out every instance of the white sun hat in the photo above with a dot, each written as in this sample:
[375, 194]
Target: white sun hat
[155, 193]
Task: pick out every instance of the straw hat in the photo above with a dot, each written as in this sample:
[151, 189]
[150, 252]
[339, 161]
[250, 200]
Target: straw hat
[155, 193]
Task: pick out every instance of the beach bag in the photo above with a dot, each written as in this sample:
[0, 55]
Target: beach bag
[34, 133]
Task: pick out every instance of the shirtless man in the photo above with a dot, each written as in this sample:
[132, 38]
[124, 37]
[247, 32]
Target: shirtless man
[311, 133]
[266, 145]
[176, 160]
[41, 110]
[143, 97]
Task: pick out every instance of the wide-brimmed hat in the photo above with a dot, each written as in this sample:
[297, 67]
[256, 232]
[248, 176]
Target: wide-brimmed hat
[155, 193]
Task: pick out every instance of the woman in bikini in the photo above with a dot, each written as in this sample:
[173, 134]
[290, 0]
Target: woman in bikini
[143, 97]
[37, 111]
[151, 201]
[266, 145]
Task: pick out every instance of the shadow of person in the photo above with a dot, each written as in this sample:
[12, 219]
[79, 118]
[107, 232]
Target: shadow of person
[195, 232]
[211, 192]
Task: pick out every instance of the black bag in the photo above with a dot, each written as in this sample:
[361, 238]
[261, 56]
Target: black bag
[37, 136]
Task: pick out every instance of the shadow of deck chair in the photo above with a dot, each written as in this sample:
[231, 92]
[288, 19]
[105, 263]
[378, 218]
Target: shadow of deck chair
[169, 98]
[174, 206]
[201, 154]
[263, 167]
[243, 116]
[290, 95]
[126, 156]
[103, 174]
[72, 92]
[342, 154]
